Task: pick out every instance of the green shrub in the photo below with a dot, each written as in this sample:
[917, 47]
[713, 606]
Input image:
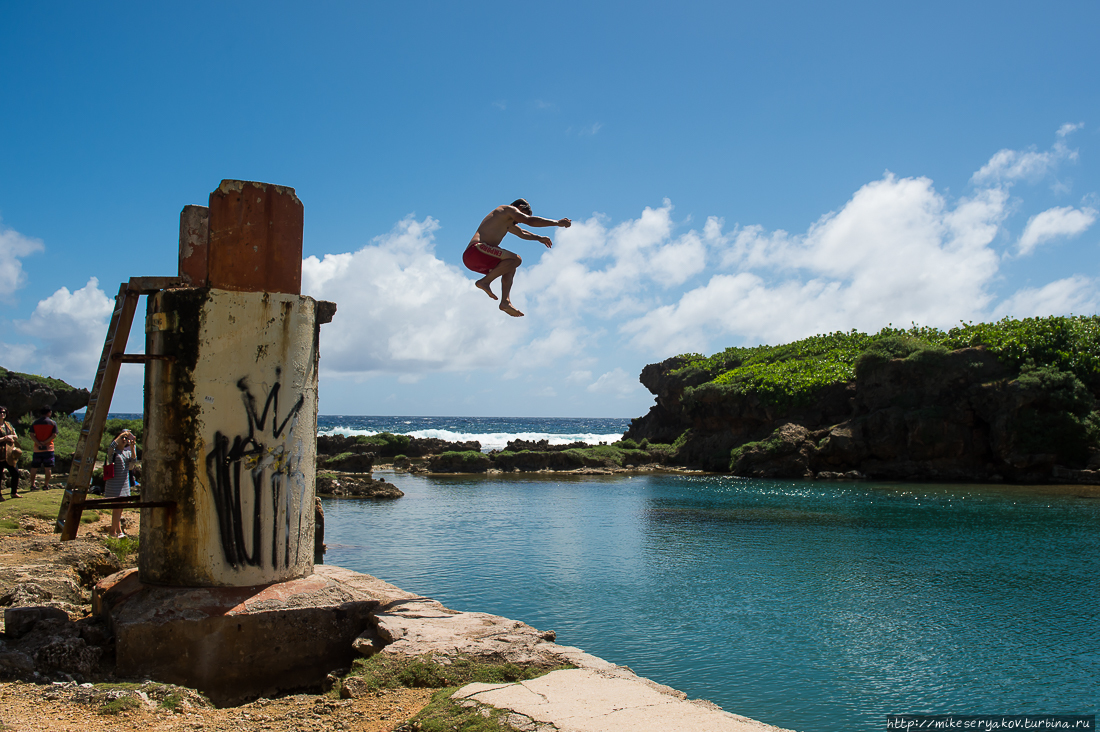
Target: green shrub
[793, 374]
[386, 444]
[767, 448]
[608, 454]
[463, 457]
[888, 347]
[123, 547]
[388, 671]
[1062, 421]
[120, 705]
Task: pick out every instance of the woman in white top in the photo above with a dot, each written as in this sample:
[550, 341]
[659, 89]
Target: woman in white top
[120, 454]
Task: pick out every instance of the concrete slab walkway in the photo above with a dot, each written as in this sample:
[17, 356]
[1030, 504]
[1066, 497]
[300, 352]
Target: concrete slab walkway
[591, 700]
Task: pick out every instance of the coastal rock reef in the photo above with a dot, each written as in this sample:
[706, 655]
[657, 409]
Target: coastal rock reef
[1014, 400]
[25, 394]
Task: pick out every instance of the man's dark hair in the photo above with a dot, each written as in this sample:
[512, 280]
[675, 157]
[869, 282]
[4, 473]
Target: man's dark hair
[522, 205]
[45, 411]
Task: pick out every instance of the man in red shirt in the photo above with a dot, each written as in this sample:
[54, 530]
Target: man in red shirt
[43, 430]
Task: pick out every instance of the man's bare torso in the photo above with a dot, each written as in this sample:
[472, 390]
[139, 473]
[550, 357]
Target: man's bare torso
[495, 226]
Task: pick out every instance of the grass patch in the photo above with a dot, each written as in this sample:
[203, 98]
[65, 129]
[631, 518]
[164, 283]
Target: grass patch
[389, 671]
[609, 454]
[462, 461]
[123, 547]
[443, 714]
[120, 705]
[172, 701]
[39, 504]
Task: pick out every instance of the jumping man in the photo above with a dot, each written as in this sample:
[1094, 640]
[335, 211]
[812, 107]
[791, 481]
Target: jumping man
[483, 255]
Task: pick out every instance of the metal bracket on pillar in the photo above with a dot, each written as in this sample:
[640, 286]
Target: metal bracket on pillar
[140, 357]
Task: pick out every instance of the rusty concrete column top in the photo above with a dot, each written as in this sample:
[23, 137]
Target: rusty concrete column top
[195, 245]
[255, 240]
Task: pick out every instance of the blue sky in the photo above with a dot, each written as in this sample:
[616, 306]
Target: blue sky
[737, 175]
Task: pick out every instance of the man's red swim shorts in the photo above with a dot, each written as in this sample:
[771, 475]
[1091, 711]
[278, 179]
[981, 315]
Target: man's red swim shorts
[482, 258]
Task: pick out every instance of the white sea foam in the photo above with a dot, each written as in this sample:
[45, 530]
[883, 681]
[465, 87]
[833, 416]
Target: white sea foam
[492, 440]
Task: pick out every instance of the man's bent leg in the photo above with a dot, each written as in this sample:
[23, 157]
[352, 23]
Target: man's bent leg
[505, 291]
[507, 266]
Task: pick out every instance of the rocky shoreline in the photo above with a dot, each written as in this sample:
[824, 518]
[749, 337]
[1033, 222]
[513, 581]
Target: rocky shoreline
[57, 662]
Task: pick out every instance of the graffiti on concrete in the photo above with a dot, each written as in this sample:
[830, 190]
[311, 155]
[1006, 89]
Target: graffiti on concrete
[257, 483]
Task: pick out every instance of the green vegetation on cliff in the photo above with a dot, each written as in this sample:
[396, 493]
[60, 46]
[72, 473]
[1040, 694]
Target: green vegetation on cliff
[56, 384]
[793, 374]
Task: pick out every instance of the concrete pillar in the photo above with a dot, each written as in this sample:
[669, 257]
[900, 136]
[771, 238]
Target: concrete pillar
[231, 416]
[231, 437]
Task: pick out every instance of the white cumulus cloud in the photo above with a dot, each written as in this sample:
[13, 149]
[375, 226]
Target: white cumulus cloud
[1077, 294]
[1064, 221]
[14, 246]
[1008, 166]
[402, 310]
[896, 252]
[71, 327]
[617, 383]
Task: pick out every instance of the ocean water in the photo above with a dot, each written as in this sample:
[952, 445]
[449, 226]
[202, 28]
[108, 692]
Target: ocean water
[493, 432]
[807, 605]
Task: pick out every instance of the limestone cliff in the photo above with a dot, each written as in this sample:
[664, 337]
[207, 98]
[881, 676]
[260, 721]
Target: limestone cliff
[968, 414]
[25, 394]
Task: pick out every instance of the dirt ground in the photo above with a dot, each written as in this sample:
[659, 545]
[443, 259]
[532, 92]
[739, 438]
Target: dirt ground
[71, 707]
[26, 707]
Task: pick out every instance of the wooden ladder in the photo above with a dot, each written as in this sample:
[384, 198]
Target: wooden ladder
[99, 404]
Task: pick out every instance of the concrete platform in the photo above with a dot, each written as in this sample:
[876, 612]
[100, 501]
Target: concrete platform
[589, 700]
[236, 644]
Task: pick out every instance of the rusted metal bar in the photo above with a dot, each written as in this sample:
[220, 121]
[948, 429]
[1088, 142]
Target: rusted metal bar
[124, 503]
[140, 357]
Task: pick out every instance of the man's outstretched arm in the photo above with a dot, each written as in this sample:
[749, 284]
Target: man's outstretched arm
[521, 218]
[530, 236]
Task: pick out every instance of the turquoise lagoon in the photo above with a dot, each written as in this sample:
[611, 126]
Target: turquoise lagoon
[807, 605]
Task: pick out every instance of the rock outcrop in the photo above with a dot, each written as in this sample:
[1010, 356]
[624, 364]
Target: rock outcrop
[25, 394]
[957, 415]
[45, 631]
[355, 486]
[342, 445]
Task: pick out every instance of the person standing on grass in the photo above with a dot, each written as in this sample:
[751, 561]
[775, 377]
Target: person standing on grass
[120, 454]
[43, 431]
[8, 458]
[484, 256]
